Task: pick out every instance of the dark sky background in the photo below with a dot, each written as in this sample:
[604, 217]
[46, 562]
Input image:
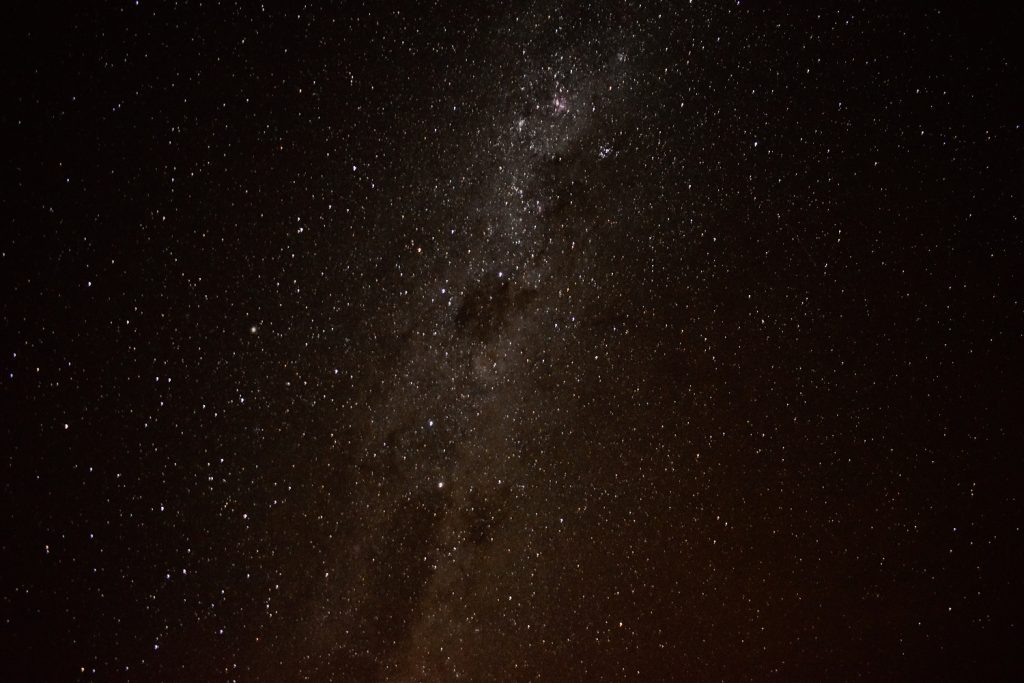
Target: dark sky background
[542, 341]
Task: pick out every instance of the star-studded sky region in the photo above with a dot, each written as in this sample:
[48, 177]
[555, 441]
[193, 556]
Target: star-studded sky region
[530, 341]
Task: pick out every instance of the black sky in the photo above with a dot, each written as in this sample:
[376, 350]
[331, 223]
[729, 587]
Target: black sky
[532, 341]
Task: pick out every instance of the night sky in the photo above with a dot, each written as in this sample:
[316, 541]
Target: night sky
[542, 341]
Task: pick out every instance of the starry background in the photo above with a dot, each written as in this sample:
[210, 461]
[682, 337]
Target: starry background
[542, 341]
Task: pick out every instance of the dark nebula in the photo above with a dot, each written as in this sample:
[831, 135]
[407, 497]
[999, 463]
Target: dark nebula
[542, 341]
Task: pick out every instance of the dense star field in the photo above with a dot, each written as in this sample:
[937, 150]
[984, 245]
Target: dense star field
[546, 341]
